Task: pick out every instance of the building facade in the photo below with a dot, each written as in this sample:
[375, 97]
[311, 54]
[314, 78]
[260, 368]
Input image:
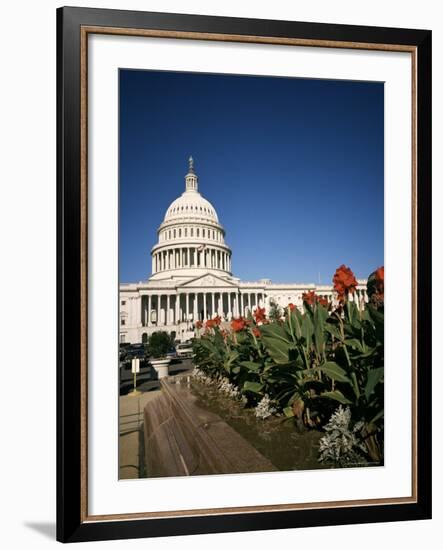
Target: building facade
[192, 276]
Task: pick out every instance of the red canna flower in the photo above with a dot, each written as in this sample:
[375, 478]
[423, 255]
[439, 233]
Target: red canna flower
[309, 298]
[256, 332]
[198, 325]
[238, 324]
[380, 279]
[259, 315]
[344, 282]
[292, 306]
[217, 320]
[210, 323]
[323, 301]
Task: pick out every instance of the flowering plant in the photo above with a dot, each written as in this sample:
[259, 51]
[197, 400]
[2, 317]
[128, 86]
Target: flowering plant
[344, 281]
[308, 362]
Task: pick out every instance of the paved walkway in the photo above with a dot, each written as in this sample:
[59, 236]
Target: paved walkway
[131, 443]
[131, 446]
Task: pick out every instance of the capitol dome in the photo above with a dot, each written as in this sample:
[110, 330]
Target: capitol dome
[190, 238]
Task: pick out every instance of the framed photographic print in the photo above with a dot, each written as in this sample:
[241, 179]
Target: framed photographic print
[231, 193]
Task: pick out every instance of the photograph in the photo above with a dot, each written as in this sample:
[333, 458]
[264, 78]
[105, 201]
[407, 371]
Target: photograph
[251, 274]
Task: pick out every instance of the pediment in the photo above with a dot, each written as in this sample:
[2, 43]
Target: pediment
[208, 280]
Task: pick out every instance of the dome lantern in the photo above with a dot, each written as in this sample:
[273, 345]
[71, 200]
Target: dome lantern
[191, 177]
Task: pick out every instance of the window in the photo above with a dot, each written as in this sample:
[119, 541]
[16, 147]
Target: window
[123, 322]
[186, 231]
[122, 338]
[192, 232]
[123, 302]
[179, 232]
[174, 233]
[198, 232]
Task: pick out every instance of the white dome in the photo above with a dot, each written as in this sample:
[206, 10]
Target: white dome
[191, 205]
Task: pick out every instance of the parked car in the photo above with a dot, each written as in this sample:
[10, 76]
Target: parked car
[123, 350]
[134, 351]
[184, 350]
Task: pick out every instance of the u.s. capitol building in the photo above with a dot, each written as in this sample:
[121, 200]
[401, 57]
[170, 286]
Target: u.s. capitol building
[192, 276]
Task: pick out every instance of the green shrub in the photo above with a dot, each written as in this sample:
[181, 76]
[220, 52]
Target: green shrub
[159, 344]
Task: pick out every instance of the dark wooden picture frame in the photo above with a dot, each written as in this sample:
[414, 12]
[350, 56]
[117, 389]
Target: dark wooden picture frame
[73, 26]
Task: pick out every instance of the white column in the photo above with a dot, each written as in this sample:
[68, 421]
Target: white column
[256, 299]
[214, 310]
[187, 306]
[220, 304]
[177, 307]
[195, 315]
[149, 309]
[158, 308]
[229, 305]
[168, 306]
[204, 306]
[242, 312]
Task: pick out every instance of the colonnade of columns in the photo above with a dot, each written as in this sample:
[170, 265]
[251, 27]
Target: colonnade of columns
[186, 257]
[170, 309]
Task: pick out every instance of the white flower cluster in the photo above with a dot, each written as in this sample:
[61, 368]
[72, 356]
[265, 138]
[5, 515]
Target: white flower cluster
[222, 384]
[264, 408]
[201, 377]
[228, 389]
[342, 445]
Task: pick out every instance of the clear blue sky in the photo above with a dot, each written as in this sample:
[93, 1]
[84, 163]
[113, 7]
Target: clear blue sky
[294, 168]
